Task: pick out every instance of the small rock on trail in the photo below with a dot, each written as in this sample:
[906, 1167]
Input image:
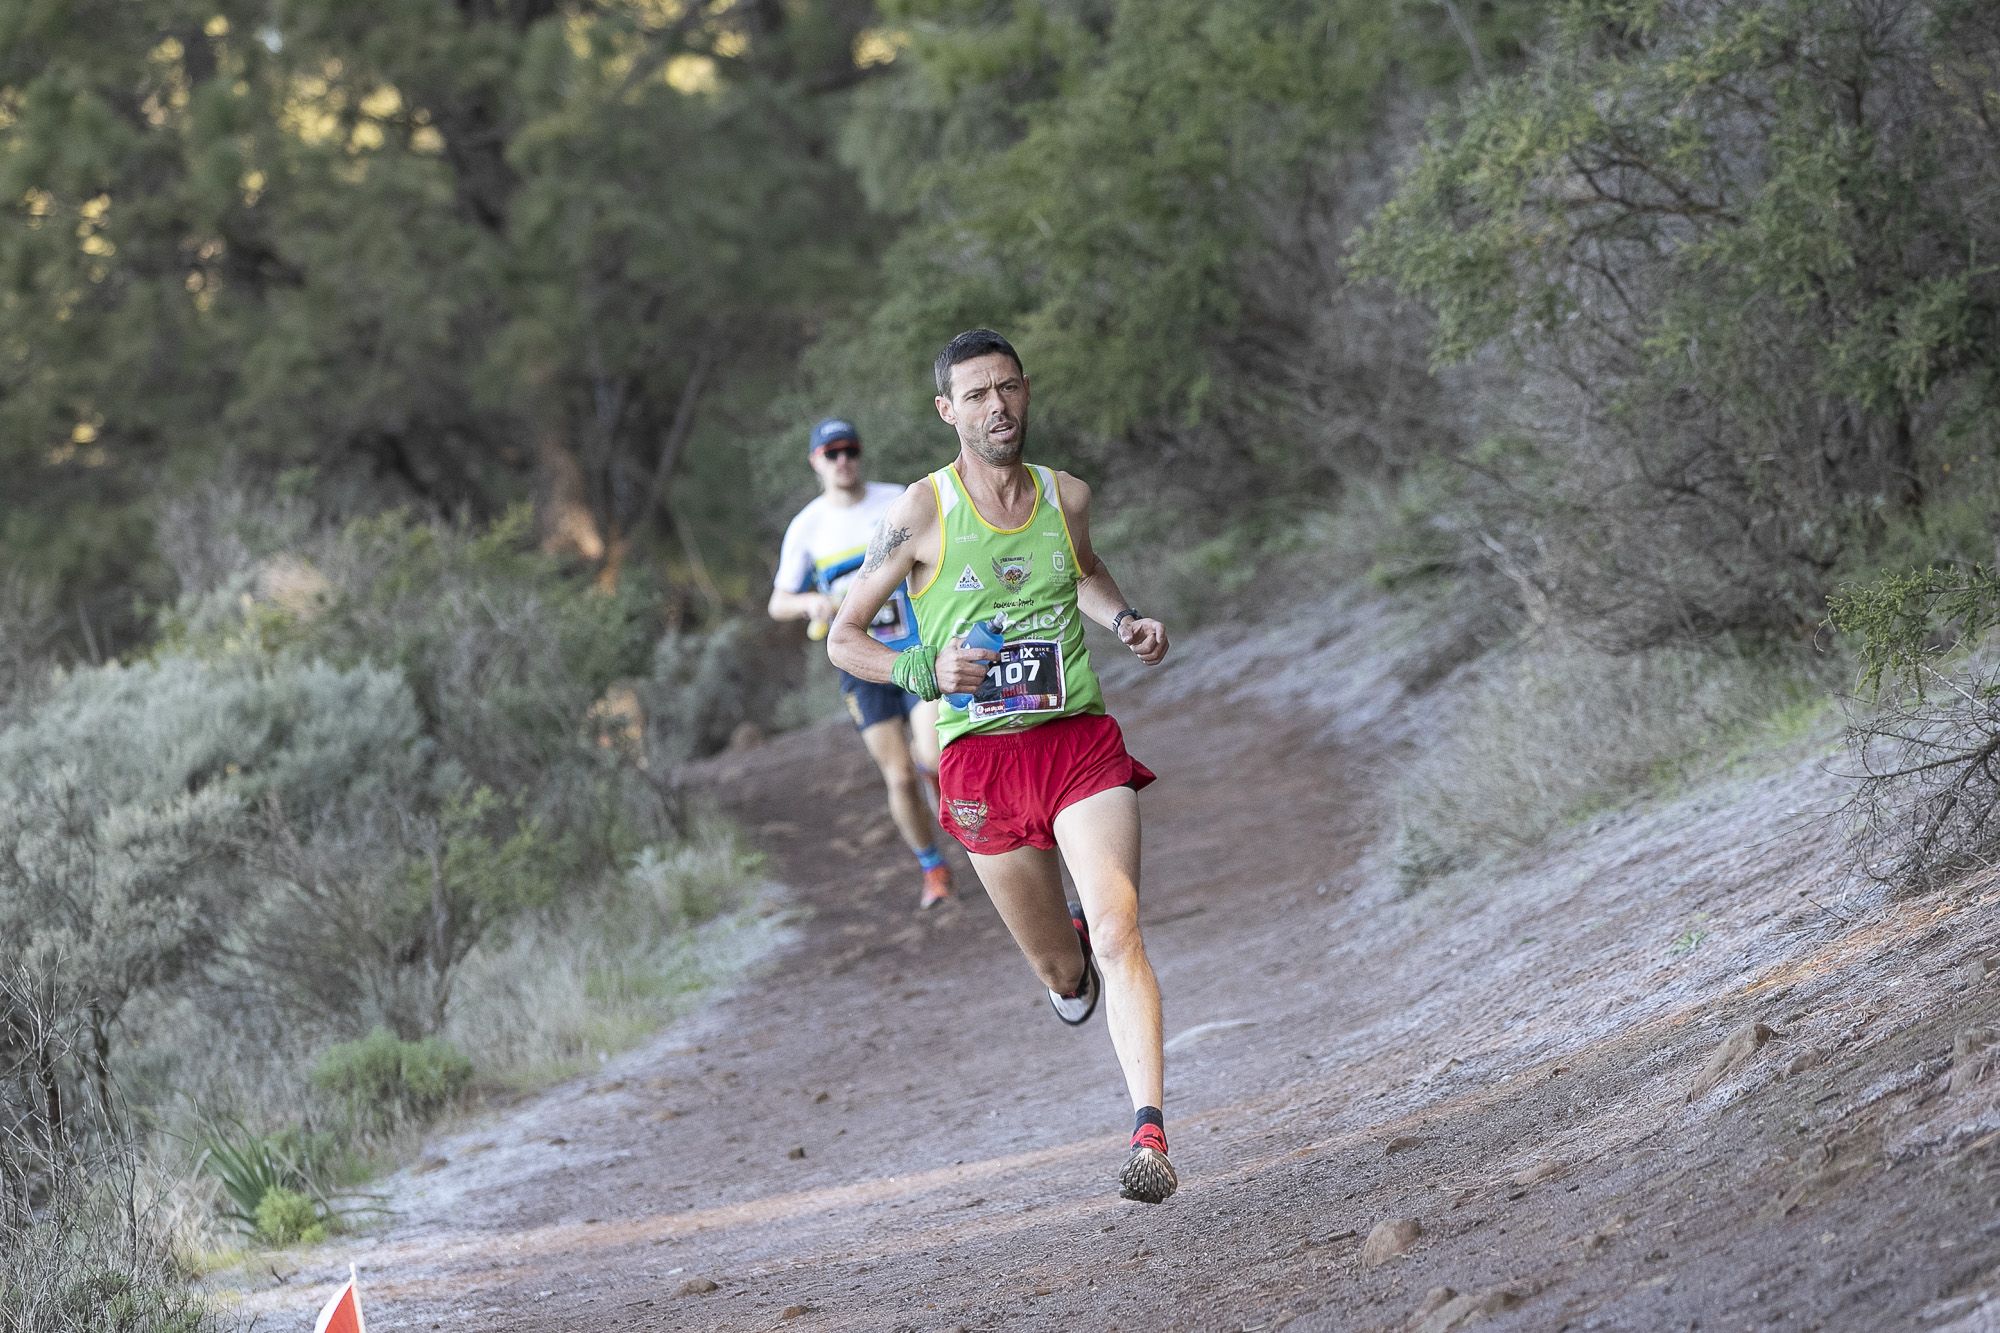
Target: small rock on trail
[1540, 1171]
[1970, 1057]
[1392, 1238]
[1444, 1310]
[1745, 1042]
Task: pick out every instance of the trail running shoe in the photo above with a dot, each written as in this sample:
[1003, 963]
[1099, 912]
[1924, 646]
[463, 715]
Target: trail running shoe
[1148, 1176]
[937, 887]
[1077, 1007]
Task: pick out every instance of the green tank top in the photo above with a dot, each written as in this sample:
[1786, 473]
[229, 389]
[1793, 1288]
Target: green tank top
[1025, 577]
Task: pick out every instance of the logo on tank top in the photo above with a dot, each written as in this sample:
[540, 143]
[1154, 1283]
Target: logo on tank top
[969, 581]
[1013, 570]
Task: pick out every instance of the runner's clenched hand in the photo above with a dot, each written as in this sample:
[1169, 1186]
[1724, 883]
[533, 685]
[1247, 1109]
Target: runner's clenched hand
[1146, 637]
[962, 669]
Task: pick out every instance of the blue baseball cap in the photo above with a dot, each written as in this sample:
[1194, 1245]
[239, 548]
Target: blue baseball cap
[831, 431]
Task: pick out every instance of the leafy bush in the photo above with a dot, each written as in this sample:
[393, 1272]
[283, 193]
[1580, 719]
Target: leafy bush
[122, 811]
[1735, 251]
[374, 886]
[384, 1079]
[366, 918]
[503, 650]
[252, 1168]
[286, 1217]
[248, 1169]
[1903, 622]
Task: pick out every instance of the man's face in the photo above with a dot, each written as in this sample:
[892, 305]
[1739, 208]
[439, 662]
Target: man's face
[988, 407]
[838, 465]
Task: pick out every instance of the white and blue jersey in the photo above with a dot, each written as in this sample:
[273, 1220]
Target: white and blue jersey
[824, 548]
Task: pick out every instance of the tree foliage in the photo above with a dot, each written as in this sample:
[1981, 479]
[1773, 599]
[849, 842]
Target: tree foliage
[1738, 251]
[457, 254]
[1148, 197]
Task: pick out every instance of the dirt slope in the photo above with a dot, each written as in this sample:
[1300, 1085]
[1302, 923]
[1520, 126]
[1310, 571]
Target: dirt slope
[886, 1129]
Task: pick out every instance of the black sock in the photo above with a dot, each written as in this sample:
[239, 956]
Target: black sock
[1149, 1115]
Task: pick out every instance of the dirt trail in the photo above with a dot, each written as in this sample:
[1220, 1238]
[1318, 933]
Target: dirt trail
[886, 1129]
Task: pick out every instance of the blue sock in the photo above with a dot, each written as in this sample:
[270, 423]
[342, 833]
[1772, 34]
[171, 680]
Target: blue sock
[930, 858]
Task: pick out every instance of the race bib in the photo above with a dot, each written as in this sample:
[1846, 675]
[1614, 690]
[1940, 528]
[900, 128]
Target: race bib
[1028, 678]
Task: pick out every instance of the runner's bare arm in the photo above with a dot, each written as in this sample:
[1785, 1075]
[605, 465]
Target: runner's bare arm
[799, 605]
[1097, 594]
[906, 546]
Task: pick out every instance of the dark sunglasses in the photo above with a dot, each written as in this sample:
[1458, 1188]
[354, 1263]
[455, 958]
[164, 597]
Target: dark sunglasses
[840, 451]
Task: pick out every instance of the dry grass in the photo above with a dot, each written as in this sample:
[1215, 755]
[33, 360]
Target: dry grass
[1553, 733]
[567, 990]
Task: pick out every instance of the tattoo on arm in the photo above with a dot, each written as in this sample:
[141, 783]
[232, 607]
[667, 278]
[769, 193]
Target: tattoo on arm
[879, 550]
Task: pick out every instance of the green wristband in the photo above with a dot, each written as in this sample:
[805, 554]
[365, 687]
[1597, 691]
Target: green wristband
[916, 671]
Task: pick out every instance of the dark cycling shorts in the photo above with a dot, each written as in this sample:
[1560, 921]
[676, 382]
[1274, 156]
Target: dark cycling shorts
[869, 703]
[1003, 789]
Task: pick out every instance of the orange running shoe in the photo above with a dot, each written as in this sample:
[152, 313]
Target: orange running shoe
[937, 887]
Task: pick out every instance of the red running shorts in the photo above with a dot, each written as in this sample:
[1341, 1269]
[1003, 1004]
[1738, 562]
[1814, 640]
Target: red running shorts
[1002, 790]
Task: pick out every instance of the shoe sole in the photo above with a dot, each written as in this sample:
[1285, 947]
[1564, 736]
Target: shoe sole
[1148, 1177]
[1096, 993]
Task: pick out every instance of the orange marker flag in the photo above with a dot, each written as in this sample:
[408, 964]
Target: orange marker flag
[342, 1314]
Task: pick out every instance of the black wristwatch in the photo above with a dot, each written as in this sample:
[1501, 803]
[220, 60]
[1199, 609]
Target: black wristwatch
[1119, 619]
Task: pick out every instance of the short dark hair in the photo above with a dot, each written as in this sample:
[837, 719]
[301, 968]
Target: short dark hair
[971, 343]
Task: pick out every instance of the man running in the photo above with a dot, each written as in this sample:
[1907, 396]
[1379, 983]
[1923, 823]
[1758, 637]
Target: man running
[823, 549]
[1032, 765]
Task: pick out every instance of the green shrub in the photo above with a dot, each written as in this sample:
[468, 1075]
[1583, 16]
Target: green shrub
[1903, 623]
[250, 1168]
[124, 800]
[287, 1217]
[385, 1079]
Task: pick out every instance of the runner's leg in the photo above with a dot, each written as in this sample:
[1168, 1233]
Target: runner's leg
[1099, 838]
[1026, 888]
[889, 746]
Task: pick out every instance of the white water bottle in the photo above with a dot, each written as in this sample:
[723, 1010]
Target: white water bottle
[981, 635]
